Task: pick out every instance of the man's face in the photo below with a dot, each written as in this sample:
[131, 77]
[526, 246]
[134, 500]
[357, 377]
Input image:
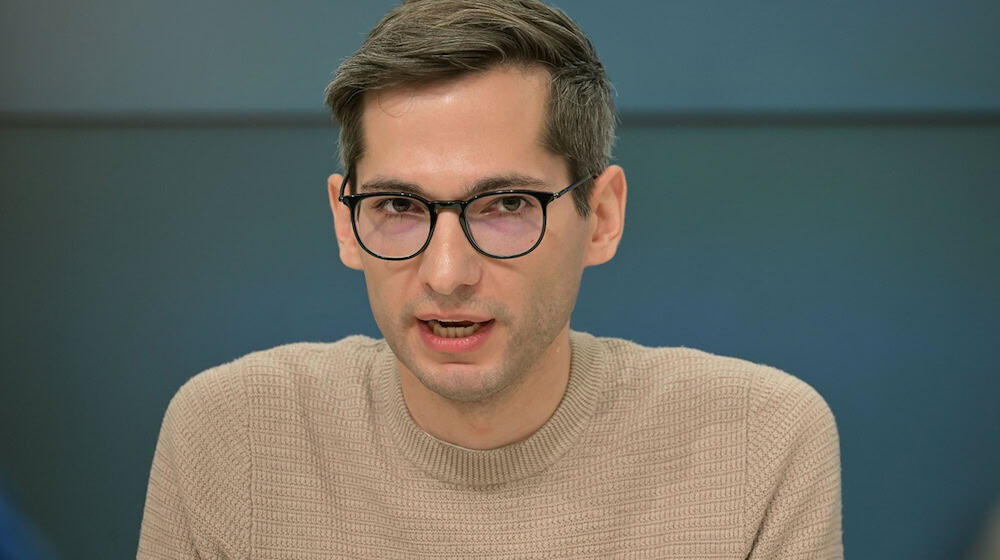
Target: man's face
[443, 139]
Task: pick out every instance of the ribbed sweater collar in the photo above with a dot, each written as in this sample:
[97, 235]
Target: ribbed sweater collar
[470, 467]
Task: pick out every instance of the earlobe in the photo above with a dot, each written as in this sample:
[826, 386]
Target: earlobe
[607, 215]
[350, 253]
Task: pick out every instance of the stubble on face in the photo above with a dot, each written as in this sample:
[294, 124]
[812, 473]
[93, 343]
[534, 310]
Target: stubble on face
[452, 134]
[546, 314]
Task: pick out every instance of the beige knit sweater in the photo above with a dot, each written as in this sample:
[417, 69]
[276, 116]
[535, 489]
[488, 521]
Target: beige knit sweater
[307, 451]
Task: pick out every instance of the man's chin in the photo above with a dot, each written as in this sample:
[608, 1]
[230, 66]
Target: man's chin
[457, 381]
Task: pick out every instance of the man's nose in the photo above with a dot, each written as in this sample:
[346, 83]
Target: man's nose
[449, 261]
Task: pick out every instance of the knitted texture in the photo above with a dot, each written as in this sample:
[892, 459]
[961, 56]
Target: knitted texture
[307, 451]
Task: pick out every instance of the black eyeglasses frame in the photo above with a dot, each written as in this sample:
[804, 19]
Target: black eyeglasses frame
[544, 199]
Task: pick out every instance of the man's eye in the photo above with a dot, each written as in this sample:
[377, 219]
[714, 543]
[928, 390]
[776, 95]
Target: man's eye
[511, 203]
[397, 205]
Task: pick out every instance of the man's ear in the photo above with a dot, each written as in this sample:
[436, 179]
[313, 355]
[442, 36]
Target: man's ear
[350, 253]
[607, 215]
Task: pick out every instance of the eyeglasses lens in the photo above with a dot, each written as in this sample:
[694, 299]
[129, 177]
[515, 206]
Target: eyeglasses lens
[501, 225]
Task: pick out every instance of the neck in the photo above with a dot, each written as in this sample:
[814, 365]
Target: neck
[510, 416]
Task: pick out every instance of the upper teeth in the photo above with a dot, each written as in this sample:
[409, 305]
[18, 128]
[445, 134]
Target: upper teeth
[453, 329]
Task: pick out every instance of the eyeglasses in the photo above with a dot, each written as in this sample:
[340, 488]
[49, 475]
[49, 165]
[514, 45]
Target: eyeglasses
[501, 224]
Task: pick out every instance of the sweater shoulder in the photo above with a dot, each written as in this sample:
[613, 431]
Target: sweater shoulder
[664, 373]
[666, 366]
[330, 365]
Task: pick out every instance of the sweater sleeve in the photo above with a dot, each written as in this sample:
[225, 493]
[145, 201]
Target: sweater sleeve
[793, 502]
[198, 498]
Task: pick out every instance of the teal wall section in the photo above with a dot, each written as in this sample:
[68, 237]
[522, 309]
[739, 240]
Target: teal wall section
[163, 210]
[190, 56]
[863, 259]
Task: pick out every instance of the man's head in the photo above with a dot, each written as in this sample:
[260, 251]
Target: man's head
[425, 41]
[444, 122]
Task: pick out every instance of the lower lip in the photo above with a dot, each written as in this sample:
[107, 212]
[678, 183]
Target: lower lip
[455, 345]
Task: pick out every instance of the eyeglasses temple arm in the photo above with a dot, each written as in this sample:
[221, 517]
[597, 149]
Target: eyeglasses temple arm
[573, 186]
[343, 186]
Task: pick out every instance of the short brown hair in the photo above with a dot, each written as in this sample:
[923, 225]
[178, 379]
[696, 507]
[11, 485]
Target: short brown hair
[424, 41]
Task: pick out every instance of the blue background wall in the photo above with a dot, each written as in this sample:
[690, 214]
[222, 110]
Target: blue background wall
[812, 186]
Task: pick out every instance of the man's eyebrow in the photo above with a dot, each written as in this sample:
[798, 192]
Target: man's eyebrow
[382, 184]
[502, 182]
[487, 184]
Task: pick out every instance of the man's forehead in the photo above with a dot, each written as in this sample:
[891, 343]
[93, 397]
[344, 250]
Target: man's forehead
[483, 125]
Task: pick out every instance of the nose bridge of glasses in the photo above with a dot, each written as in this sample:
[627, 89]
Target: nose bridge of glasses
[439, 205]
[446, 229]
[457, 205]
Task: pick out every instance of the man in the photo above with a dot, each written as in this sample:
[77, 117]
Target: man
[475, 139]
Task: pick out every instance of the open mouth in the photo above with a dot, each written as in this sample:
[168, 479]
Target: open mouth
[454, 329]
